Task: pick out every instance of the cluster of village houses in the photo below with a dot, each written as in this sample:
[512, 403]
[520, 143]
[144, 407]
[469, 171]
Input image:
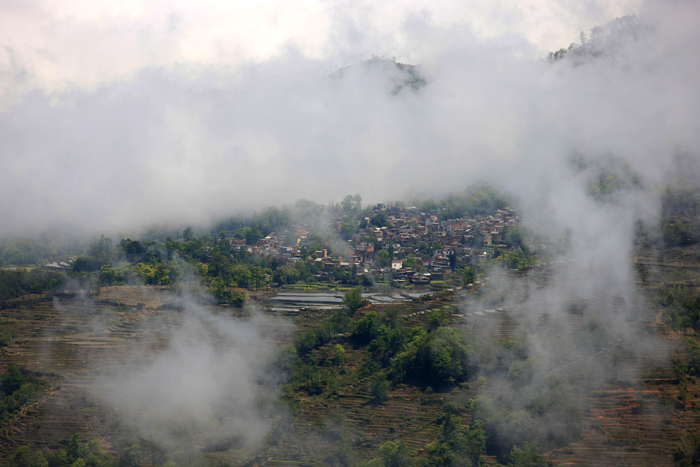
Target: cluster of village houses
[409, 229]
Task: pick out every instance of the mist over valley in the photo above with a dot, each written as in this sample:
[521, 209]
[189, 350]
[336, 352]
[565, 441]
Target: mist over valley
[349, 234]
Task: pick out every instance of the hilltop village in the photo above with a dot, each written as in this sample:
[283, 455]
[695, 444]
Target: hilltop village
[394, 244]
[306, 244]
[453, 360]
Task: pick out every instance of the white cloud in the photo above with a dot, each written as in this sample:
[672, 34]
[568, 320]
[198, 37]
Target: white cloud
[137, 136]
[58, 44]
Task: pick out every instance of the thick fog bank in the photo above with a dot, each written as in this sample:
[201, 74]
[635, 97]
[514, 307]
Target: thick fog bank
[189, 142]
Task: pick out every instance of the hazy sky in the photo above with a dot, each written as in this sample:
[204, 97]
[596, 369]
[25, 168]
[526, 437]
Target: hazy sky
[118, 114]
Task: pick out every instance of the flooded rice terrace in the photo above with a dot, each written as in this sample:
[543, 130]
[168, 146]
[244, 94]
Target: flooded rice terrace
[291, 302]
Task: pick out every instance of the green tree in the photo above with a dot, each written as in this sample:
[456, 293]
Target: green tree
[395, 454]
[241, 275]
[338, 358]
[353, 299]
[348, 228]
[134, 250]
[477, 199]
[688, 453]
[25, 458]
[5, 336]
[253, 234]
[379, 389]
[258, 276]
[131, 456]
[380, 220]
[273, 219]
[85, 263]
[75, 449]
[474, 443]
[366, 328]
[383, 259]
[109, 276]
[469, 275]
[439, 358]
[26, 251]
[527, 456]
[515, 238]
[287, 274]
[693, 348]
[12, 380]
[358, 202]
[306, 211]
[439, 454]
[347, 205]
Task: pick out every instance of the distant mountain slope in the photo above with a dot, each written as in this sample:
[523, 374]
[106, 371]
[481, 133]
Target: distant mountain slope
[398, 76]
[603, 41]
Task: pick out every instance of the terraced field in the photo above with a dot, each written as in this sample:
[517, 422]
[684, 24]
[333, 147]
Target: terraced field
[635, 414]
[72, 337]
